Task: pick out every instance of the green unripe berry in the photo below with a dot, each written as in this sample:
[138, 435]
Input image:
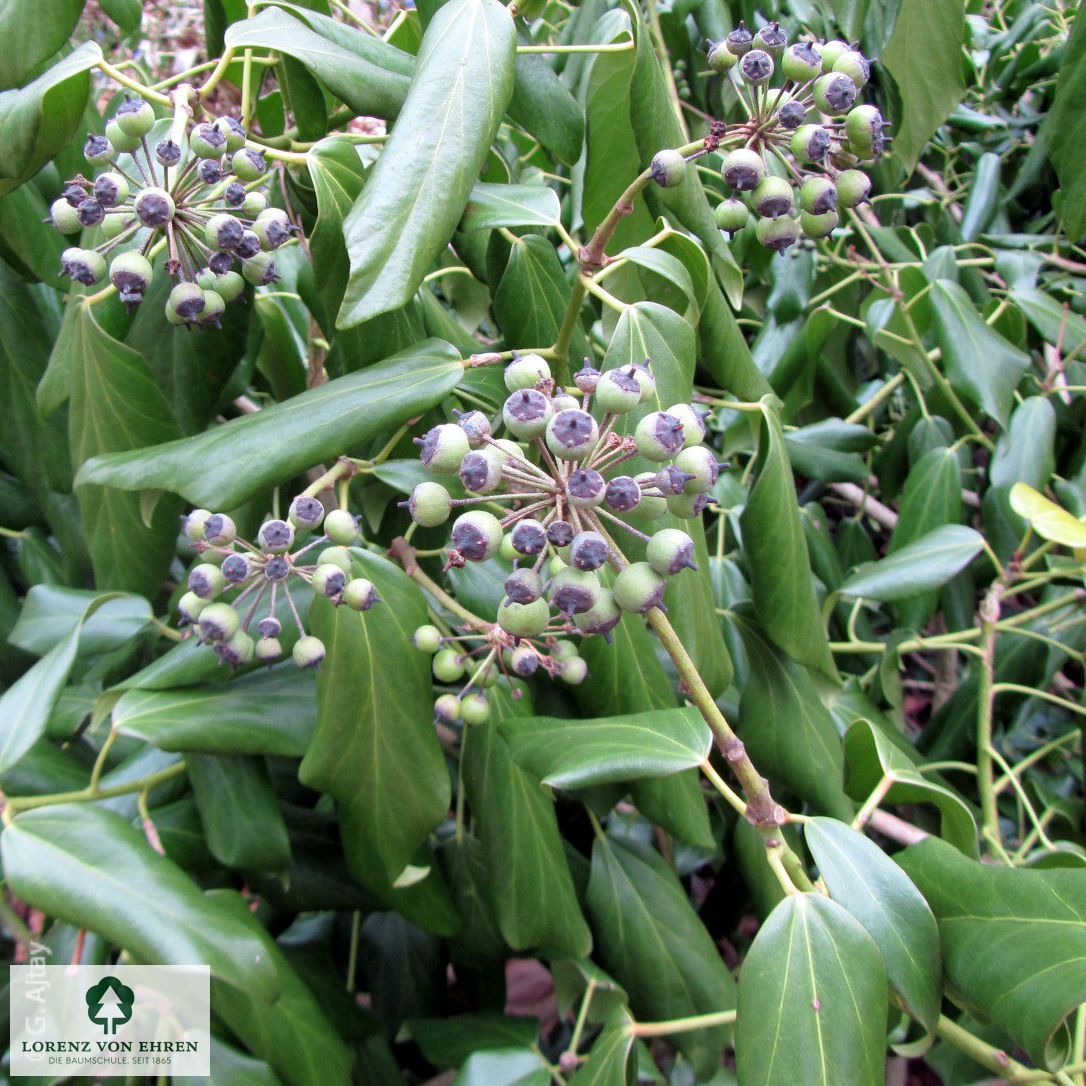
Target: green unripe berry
[474, 709]
[341, 527]
[481, 471]
[526, 413]
[668, 168]
[778, 234]
[572, 435]
[64, 217]
[186, 302]
[427, 639]
[669, 551]
[237, 650]
[328, 580]
[275, 536]
[731, 215]
[233, 131]
[817, 195]
[773, 197]
[447, 709]
[227, 286]
[564, 650]
[253, 204]
[207, 141]
[194, 524]
[448, 666]
[740, 40]
[526, 371]
[810, 142]
[189, 606]
[652, 506]
[154, 207]
[585, 488]
[589, 550]
[864, 126]
[638, 588]
[699, 462]
[853, 187]
[268, 650]
[308, 651]
[742, 169]
[602, 617]
[523, 586]
[756, 67]
[442, 448]
[98, 151]
[429, 505]
[260, 270]
[135, 117]
[617, 391]
[660, 435]
[83, 265]
[206, 581]
[219, 622]
[273, 230]
[524, 619]
[802, 62]
[223, 231]
[522, 661]
[248, 165]
[721, 58]
[220, 530]
[692, 421]
[120, 139]
[573, 591]
[832, 51]
[574, 671]
[305, 512]
[818, 226]
[336, 556]
[359, 594]
[111, 189]
[771, 38]
[477, 535]
[687, 505]
[834, 93]
[130, 272]
[214, 308]
[855, 65]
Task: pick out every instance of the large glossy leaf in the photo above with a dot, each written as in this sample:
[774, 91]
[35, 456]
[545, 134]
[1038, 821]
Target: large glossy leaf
[812, 1000]
[924, 57]
[545, 108]
[239, 811]
[375, 750]
[285, 439]
[367, 86]
[862, 878]
[777, 558]
[39, 119]
[649, 330]
[493, 205]
[608, 1062]
[504, 1067]
[1046, 518]
[448, 1042]
[531, 889]
[462, 85]
[1065, 128]
[980, 363]
[39, 38]
[925, 564]
[788, 731]
[872, 760]
[573, 753]
[651, 940]
[1026, 452]
[88, 866]
[269, 712]
[293, 1034]
[116, 408]
[49, 613]
[1014, 942]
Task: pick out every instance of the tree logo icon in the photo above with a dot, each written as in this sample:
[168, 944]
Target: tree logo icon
[109, 1004]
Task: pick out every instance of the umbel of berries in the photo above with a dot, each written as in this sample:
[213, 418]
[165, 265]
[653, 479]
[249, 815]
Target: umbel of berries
[197, 200]
[794, 163]
[556, 497]
[238, 589]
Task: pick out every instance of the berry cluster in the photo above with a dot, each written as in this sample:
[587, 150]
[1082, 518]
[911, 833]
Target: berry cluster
[793, 163]
[253, 571]
[558, 471]
[202, 196]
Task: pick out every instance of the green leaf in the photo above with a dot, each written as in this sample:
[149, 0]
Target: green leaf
[266, 712]
[511, 205]
[545, 109]
[292, 1033]
[608, 1062]
[812, 1000]
[512, 1067]
[777, 557]
[980, 363]
[117, 408]
[626, 676]
[573, 753]
[1065, 129]
[924, 58]
[1026, 453]
[873, 761]
[39, 35]
[285, 439]
[649, 330]
[1046, 518]
[790, 734]
[239, 811]
[651, 941]
[462, 862]
[862, 878]
[365, 85]
[125, 13]
[89, 867]
[49, 613]
[448, 1042]
[34, 252]
[462, 85]
[1014, 942]
[1056, 323]
[41, 118]
[375, 750]
[529, 882]
[926, 564]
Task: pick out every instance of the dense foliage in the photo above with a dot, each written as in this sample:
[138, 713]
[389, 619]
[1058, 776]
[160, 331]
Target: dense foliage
[386, 738]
